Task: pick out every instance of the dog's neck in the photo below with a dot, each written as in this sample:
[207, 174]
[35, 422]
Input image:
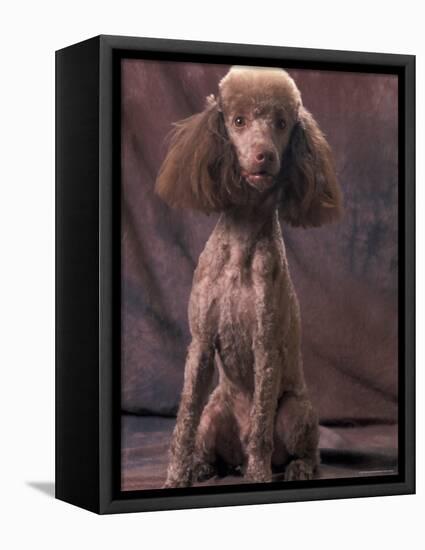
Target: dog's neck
[245, 225]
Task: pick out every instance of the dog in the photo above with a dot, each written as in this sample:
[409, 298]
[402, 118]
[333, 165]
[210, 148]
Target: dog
[253, 154]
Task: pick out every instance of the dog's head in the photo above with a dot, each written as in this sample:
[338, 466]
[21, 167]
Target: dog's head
[256, 136]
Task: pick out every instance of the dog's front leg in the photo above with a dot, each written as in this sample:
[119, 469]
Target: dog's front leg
[267, 368]
[197, 379]
[260, 445]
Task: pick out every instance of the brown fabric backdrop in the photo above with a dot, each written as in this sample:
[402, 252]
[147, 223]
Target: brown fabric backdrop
[345, 274]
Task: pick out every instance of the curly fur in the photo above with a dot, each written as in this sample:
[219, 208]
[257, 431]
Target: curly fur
[253, 151]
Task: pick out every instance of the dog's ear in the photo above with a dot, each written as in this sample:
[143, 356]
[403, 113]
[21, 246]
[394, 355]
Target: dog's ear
[311, 195]
[200, 163]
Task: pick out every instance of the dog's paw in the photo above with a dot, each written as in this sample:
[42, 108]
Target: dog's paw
[203, 471]
[258, 472]
[176, 479]
[298, 470]
[173, 483]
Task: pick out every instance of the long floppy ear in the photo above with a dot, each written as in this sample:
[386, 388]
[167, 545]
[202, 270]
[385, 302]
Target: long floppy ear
[311, 195]
[200, 165]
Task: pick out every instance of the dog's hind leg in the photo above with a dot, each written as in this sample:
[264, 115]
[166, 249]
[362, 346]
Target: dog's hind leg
[217, 441]
[296, 437]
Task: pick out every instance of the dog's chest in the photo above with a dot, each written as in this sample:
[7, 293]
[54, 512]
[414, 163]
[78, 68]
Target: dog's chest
[226, 303]
[223, 304]
[231, 303]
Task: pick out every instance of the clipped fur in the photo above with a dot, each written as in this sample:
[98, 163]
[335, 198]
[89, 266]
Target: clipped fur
[252, 152]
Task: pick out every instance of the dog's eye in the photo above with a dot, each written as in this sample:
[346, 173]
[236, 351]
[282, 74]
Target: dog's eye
[281, 123]
[239, 121]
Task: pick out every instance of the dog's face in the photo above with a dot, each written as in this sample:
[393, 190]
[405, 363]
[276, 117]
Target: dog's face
[260, 108]
[256, 135]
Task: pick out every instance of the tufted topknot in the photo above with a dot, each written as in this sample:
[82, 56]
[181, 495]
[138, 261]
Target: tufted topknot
[258, 85]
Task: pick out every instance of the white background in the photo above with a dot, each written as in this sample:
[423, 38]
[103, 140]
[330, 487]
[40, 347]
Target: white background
[29, 34]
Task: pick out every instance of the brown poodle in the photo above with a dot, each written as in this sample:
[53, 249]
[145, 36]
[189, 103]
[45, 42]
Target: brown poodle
[252, 152]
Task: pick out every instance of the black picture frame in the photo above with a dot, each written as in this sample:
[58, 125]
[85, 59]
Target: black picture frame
[88, 271]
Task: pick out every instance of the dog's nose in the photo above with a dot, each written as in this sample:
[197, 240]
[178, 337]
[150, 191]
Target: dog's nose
[263, 157]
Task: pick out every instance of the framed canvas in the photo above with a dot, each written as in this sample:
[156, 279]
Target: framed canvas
[234, 274]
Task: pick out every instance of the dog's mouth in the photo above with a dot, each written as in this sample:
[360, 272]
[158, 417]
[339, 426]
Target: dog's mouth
[260, 180]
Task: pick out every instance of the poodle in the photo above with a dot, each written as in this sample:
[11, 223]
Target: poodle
[253, 153]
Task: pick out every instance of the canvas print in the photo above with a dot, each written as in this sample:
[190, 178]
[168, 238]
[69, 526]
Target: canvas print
[259, 269]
